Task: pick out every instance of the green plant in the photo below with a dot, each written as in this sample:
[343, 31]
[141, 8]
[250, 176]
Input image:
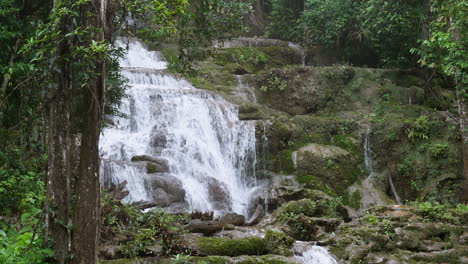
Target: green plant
[371, 219]
[417, 128]
[438, 150]
[274, 83]
[437, 212]
[387, 227]
[182, 259]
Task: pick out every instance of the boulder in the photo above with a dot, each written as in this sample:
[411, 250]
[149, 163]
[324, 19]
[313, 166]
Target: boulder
[204, 227]
[279, 243]
[166, 189]
[153, 164]
[221, 246]
[233, 219]
[257, 216]
[218, 195]
[210, 227]
[330, 164]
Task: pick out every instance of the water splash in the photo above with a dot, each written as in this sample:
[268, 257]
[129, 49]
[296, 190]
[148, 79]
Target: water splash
[312, 254]
[197, 132]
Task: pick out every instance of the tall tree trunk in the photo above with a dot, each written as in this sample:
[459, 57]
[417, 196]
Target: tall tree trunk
[86, 219]
[463, 122]
[57, 202]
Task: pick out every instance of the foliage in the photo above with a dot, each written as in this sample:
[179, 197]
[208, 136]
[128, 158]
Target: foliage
[204, 22]
[275, 79]
[437, 212]
[142, 229]
[383, 29]
[328, 23]
[284, 18]
[418, 128]
[391, 29]
[152, 20]
[438, 150]
[22, 240]
[445, 49]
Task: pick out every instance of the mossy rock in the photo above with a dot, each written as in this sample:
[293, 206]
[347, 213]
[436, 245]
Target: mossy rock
[279, 243]
[229, 247]
[266, 259]
[334, 166]
[301, 90]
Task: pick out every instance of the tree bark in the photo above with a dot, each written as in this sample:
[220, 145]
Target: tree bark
[463, 122]
[87, 213]
[57, 202]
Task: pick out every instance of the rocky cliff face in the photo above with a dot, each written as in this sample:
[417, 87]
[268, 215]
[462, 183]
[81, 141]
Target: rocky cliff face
[335, 146]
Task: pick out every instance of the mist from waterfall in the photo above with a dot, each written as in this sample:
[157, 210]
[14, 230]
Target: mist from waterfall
[197, 132]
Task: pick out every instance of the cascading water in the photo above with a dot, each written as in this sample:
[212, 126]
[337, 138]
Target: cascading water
[312, 254]
[197, 133]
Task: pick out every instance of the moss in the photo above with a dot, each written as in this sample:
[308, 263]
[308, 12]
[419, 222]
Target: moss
[151, 168]
[352, 200]
[209, 260]
[267, 259]
[279, 243]
[229, 247]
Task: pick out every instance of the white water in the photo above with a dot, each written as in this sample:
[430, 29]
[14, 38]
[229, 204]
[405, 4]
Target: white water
[312, 254]
[244, 91]
[204, 141]
[300, 50]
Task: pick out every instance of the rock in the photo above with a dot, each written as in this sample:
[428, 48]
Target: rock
[159, 140]
[210, 227]
[266, 259]
[144, 204]
[153, 165]
[204, 227]
[233, 219]
[302, 90]
[330, 164]
[220, 246]
[321, 151]
[279, 190]
[256, 217]
[166, 190]
[278, 243]
[329, 224]
[109, 251]
[218, 195]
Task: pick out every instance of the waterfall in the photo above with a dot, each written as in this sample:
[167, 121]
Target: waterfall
[392, 187]
[300, 50]
[312, 254]
[209, 154]
[368, 154]
[244, 90]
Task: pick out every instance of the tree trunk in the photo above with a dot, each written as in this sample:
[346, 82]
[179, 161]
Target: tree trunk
[86, 218]
[57, 202]
[463, 122]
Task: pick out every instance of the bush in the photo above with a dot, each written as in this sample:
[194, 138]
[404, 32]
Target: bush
[418, 128]
[143, 230]
[437, 212]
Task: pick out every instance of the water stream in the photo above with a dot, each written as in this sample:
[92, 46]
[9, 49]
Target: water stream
[312, 254]
[208, 150]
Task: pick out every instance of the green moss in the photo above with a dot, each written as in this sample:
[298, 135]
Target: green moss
[209, 260]
[279, 243]
[151, 168]
[352, 200]
[267, 259]
[229, 247]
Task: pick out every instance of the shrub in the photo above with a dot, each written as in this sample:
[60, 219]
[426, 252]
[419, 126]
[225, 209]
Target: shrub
[417, 128]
